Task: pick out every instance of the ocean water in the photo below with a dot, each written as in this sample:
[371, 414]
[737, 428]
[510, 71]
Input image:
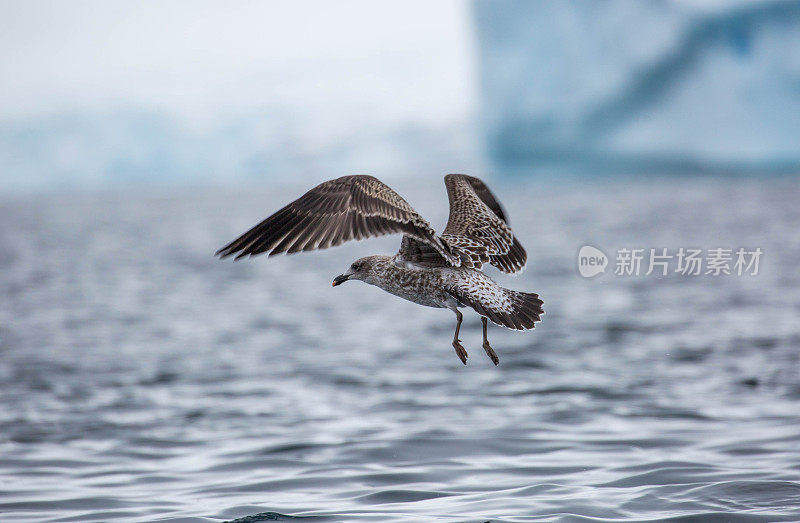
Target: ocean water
[141, 379]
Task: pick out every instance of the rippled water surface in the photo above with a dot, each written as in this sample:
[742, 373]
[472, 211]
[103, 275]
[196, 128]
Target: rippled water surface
[142, 379]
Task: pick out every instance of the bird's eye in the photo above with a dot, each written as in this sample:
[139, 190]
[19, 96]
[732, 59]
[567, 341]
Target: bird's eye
[354, 266]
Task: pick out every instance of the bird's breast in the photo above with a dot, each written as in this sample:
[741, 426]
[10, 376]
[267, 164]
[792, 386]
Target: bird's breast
[420, 286]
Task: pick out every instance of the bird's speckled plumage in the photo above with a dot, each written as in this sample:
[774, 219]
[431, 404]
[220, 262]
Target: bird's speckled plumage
[435, 271]
[450, 287]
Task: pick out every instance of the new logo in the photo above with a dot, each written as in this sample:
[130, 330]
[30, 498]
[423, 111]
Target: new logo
[591, 261]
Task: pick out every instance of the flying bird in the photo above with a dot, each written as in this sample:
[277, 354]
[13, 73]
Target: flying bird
[441, 271]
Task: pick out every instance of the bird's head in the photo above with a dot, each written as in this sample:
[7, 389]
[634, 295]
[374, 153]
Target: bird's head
[361, 269]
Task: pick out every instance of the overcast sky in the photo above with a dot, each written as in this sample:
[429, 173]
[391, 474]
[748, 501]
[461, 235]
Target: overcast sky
[395, 60]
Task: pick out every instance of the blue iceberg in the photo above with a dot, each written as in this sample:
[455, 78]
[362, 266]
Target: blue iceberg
[660, 86]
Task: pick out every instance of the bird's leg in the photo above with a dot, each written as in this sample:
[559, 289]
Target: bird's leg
[488, 348]
[462, 353]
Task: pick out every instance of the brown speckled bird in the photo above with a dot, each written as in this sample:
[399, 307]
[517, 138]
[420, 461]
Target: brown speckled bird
[437, 271]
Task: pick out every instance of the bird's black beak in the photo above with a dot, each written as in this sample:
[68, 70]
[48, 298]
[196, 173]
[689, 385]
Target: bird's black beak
[340, 279]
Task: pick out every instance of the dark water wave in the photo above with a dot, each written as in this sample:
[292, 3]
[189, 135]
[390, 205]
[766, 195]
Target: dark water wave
[144, 380]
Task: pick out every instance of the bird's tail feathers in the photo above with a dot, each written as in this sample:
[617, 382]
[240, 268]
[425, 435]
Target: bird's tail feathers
[520, 310]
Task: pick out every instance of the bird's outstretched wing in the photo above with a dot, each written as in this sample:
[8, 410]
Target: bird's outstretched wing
[347, 208]
[477, 229]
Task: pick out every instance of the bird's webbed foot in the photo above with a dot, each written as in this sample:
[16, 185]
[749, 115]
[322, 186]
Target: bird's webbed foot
[460, 351]
[490, 352]
[488, 348]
